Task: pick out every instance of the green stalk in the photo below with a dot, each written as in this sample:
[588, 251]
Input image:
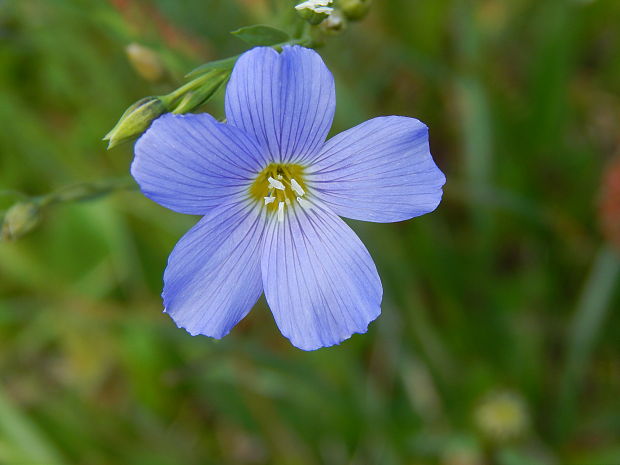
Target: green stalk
[87, 191]
[26, 214]
[476, 118]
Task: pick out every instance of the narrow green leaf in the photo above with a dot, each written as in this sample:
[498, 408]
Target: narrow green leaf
[261, 35]
[24, 436]
[587, 324]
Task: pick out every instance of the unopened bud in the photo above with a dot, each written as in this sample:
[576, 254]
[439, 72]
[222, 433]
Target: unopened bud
[136, 119]
[20, 219]
[145, 61]
[314, 11]
[334, 24]
[355, 9]
[201, 93]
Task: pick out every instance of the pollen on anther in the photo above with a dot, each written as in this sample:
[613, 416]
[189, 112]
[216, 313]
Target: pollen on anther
[269, 200]
[275, 184]
[297, 188]
[280, 211]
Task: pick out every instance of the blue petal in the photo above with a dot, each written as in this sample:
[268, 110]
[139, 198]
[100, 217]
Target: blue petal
[286, 100]
[381, 170]
[213, 276]
[320, 281]
[192, 163]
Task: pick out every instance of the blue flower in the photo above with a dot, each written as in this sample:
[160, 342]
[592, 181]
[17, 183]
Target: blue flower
[271, 190]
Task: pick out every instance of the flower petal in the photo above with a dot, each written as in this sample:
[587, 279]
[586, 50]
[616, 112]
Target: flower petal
[192, 163]
[381, 170]
[286, 100]
[213, 275]
[320, 281]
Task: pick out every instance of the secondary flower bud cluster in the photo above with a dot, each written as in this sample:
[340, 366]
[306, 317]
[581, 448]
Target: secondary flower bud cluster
[332, 16]
[139, 116]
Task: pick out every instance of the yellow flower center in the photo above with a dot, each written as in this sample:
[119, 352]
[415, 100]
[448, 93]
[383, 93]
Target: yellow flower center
[279, 185]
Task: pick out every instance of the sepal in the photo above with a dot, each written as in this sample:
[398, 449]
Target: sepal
[136, 119]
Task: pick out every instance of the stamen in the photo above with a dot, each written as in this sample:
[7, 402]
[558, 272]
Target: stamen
[275, 184]
[297, 188]
[278, 186]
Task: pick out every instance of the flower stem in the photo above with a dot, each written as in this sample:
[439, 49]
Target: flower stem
[25, 215]
[84, 191]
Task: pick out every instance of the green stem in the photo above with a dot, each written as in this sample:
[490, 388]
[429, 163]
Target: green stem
[586, 325]
[476, 119]
[26, 214]
[199, 81]
[86, 191]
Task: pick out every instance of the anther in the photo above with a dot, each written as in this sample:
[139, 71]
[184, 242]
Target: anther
[297, 188]
[275, 184]
[280, 211]
[269, 200]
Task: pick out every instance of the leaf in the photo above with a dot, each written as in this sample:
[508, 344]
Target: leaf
[261, 35]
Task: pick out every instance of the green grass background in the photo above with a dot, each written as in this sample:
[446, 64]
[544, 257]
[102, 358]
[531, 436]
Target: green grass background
[508, 286]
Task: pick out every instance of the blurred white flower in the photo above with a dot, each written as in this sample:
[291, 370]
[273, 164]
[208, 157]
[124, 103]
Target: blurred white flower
[318, 6]
[502, 416]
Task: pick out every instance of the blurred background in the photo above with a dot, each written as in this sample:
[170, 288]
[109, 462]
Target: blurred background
[499, 341]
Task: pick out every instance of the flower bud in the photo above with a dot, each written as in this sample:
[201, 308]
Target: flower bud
[204, 89]
[20, 219]
[314, 11]
[355, 9]
[136, 119]
[334, 24]
[189, 102]
[145, 61]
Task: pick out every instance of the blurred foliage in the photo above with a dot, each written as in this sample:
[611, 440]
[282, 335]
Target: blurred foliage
[507, 291]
